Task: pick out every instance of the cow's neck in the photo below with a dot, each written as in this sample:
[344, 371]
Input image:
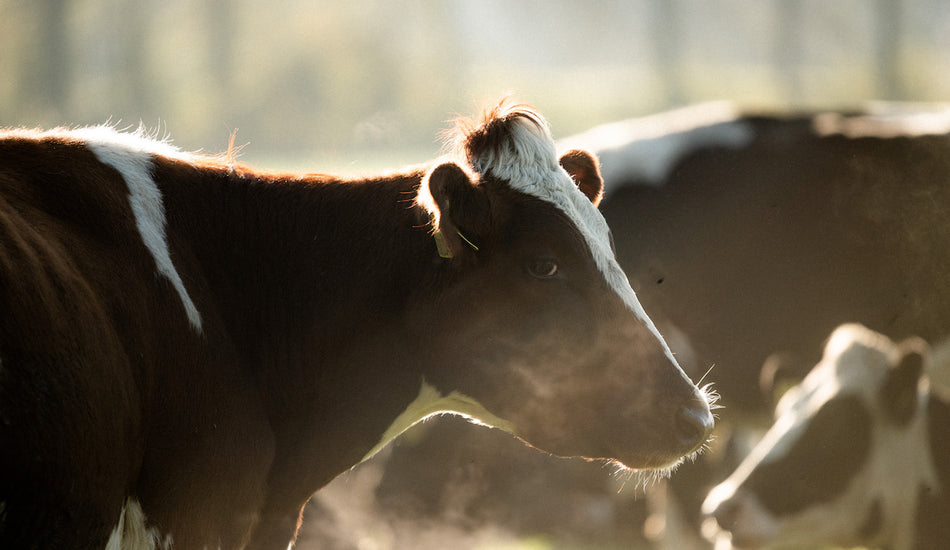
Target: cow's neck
[307, 274]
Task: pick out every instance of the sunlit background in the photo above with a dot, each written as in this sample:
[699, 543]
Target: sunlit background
[365, 84]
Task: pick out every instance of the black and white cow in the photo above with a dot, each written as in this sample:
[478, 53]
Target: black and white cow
[859, 454]
[757, 234]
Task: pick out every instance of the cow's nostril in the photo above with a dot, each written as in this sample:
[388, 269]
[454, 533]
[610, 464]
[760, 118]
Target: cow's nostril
[694, 424]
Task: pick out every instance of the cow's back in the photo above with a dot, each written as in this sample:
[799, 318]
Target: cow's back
[106, 388]
[68, 399]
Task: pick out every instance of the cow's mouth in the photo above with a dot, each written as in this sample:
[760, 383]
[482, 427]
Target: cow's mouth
[690, 436]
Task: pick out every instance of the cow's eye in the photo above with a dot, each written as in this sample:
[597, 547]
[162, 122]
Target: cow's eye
[543, 269]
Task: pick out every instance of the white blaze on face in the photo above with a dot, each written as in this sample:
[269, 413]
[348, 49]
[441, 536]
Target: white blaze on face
[131, 156]
[531, 167]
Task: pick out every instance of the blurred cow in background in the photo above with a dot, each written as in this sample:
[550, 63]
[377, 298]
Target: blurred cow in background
[757, 235]
[751, 236]
[859, 454]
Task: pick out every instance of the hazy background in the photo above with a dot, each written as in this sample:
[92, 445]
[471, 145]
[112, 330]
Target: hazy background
[364, 83]
[361, 84]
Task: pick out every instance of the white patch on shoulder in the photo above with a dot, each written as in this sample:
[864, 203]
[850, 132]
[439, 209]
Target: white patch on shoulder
[131, 156]
[131, 532]
[647, 148]
[430, 402]
[531, 167]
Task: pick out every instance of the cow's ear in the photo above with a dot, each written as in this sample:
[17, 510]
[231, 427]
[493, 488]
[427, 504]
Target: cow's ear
[779, 373]
[899, 392]
[463, 211]
[585, 171]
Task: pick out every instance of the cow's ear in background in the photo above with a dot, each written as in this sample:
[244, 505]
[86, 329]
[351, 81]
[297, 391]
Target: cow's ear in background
[463, 211]
[899, 392]
[779, 373]
[585, 171]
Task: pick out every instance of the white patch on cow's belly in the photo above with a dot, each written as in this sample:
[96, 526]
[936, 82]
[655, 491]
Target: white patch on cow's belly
[131, 532]
[131, 156]
[431, 402]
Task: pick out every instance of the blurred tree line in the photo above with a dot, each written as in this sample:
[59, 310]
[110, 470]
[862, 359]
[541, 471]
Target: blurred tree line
[333, 81]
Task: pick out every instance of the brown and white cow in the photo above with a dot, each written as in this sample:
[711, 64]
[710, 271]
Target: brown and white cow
[859, 454]
[190, 348]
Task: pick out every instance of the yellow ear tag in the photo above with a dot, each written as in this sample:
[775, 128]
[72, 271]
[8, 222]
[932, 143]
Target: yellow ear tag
[440, 245]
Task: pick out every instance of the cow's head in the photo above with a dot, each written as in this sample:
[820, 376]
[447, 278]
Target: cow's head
[541, 332]
[843, 461]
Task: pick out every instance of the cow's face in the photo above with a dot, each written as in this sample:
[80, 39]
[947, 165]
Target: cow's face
[543, 328]
[844, 459]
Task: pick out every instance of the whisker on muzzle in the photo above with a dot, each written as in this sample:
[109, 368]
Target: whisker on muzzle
[641, 479]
